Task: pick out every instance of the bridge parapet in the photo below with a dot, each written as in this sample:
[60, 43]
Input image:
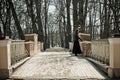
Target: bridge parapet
[17, 51]
[5, 59]
[11, 53]
[114, 48]
[32, 44]
[107, 52]
[100, 50]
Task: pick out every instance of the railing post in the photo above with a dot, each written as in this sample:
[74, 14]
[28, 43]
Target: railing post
[114, 47]
[5, 59]
[85, 47]
[30, 48]
[34, 38]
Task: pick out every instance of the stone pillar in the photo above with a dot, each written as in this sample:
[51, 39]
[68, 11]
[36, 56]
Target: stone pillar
[30, 48]
[114, 69]
[5, 59]
[34, 38]
[85, 47]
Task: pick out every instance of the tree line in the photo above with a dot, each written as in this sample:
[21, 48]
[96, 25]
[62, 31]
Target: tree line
[100, 18]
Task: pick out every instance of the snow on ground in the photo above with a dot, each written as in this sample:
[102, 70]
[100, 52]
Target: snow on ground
[57, 65]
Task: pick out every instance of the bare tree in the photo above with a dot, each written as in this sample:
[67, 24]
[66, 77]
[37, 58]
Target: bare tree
[68, 28]
[17, 23]
[75, 14]
[30, 12]
[5, 17]
[39, 21]
[46, 6]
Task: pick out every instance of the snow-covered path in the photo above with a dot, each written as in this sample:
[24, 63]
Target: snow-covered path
[57, 65]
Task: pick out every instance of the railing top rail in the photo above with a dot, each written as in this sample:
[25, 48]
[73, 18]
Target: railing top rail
[100, 40]
[86, 42]
[30, 34]
[18, 40]
[29, 42]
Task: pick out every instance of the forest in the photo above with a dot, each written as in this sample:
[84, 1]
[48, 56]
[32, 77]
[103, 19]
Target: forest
[56, 20]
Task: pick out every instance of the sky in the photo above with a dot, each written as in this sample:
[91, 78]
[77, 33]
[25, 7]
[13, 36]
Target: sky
[51, 9]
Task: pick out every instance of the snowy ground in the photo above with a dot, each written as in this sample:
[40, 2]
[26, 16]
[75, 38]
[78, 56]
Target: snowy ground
[57, 65]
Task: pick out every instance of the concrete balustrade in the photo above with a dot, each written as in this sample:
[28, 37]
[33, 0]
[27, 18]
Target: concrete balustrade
[84, 37]
[34, 39]
[85, 47]
[17, 50]
[5, 59]
[114, 47]
[30, 48]
[107, 51]
[12, 55]
[100, 50]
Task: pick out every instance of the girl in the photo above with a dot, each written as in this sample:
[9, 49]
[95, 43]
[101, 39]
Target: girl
[76, 46]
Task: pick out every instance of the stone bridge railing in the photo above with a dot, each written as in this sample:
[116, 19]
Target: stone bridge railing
[14, 53]
[107, 52]
[100, 51]
[18, 51]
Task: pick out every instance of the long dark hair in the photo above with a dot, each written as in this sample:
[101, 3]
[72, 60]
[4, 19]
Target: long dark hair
[76, 32]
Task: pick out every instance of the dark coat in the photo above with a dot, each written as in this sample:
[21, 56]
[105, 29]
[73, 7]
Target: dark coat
[76, 46]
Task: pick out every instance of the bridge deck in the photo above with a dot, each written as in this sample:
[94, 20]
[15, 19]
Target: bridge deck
[57, 65]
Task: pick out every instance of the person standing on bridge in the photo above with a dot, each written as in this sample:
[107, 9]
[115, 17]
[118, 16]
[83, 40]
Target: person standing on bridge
[76, 45]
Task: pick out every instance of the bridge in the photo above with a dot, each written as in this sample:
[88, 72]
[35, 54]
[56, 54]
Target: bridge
[56, 63]
[26, 60]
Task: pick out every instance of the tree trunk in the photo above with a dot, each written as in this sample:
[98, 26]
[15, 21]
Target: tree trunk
[68, 28]
[90, 25]
[81, 15]
[106, 24]
[5, 17]
[85, 15]
[64, 29]
[45, 38]
[48, 39]
[39, 22]
[30, 11]
[8, 21]
[17, 23]
[52, 37]
[75, 15]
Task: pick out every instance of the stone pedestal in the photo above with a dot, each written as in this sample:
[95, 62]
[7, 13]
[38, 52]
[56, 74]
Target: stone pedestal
[30, 48]
[34, 38]
[84, 37]
[5, 59]
[114, 70]
[86, 47]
